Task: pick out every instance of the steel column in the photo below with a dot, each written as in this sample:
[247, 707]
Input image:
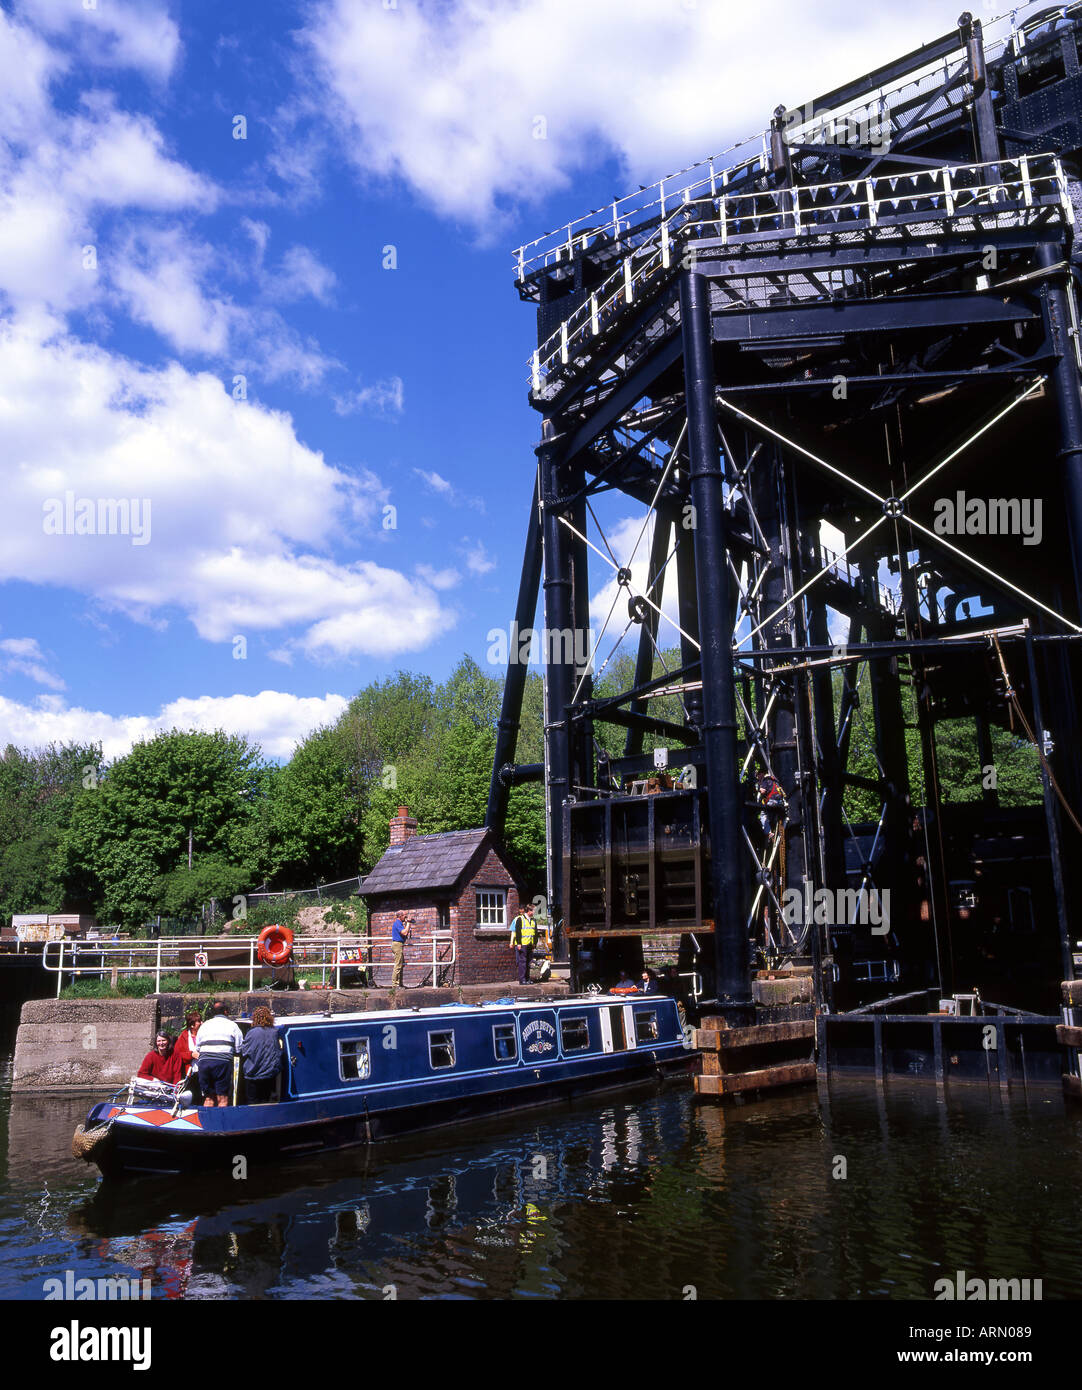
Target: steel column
[517, 670]
[713, 589]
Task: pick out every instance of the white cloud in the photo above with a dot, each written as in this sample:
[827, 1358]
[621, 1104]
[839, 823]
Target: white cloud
[241, 513]
[115, 33]
[274, 719]
[435, 482]
[159, 277]
[478, 560]
[386, 397]
[23, 656]
[301, 274]
[481, 105]
[439, 579]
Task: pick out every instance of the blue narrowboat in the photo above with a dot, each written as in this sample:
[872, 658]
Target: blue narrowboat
[361, 1077]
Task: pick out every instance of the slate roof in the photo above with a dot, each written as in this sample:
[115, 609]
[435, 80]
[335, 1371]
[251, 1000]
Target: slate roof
[424, 863]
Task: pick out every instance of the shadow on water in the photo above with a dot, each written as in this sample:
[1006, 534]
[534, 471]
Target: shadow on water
[851, 1193]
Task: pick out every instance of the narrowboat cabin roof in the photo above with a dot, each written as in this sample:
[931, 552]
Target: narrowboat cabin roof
[459, 1010]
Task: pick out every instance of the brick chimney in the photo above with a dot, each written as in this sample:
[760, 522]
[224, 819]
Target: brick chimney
[403, 826]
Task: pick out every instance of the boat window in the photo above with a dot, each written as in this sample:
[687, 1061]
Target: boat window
[574, 1034]
[354, 1063]
[441, 1049]
[505, 1042]
[645, 1025]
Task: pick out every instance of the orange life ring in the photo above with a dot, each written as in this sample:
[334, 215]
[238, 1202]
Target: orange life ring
[617, 990]
[275, 945]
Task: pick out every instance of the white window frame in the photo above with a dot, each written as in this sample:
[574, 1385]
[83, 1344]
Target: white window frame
[447, 1039]
[505, 1061]
[485, 909]
[646, 1018]
[363, 1056]
[564, 1022]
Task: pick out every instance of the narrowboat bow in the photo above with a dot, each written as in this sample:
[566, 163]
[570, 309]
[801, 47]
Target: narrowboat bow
[357, 1078]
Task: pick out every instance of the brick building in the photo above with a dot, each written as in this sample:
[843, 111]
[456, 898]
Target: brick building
[459, 883]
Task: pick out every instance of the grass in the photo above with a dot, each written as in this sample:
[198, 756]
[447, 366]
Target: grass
[142, 986]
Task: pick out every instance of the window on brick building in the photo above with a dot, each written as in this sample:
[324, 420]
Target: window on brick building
[441, 1050]
[492, 907]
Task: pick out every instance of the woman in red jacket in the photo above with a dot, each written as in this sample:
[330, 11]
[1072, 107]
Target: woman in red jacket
[184, 1047]
[161, 1063]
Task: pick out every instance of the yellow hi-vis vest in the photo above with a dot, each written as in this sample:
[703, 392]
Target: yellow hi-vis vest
[523, 931]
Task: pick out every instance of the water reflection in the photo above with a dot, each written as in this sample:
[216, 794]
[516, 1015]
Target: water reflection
[851, 1193]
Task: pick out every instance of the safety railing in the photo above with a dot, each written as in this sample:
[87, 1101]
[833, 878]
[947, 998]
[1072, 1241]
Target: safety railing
[1006, 189]
[201, 960]
[622, 220]
[871, 114]
[841, 568]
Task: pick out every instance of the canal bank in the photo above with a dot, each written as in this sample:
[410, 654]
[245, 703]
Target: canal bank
[77, 1046]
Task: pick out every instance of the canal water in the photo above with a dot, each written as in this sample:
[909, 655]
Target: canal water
[850, 1194]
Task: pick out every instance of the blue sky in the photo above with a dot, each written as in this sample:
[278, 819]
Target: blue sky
[205, 323]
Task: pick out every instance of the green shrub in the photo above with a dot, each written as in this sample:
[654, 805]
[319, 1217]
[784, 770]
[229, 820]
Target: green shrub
[88, 989]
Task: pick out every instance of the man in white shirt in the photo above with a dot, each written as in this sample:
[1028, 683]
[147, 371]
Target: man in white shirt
[218, 1042]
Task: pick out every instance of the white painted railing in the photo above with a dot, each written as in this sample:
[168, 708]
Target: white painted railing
[625, 219]
[193, 957]
[1005, 190]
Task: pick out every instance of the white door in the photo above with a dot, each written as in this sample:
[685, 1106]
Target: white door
[606, 1030]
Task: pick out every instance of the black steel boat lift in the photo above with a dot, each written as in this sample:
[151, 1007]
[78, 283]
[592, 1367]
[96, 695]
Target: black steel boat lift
[793, 357]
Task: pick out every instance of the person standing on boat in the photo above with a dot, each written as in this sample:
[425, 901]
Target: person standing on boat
[401, 931]
[218, 1041]
[185, 1047]
[262, 1054]
[523, 937]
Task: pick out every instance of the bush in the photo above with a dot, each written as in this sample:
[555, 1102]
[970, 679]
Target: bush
[269, 912]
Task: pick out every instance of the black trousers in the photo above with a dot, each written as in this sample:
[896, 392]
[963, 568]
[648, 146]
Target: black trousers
[260, 1091]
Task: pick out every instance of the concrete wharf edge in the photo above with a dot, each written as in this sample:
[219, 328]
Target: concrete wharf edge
[84, 1046]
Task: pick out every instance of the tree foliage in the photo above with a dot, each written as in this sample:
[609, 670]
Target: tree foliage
[75, 834]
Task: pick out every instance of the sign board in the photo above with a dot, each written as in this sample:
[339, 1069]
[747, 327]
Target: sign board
[41, 931]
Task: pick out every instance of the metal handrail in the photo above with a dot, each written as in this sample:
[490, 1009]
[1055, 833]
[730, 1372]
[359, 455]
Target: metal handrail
[162, 956]
[626, 215]
[944, 193]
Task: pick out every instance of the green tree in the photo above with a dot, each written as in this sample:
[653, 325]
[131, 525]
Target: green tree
[38, 790]
[132, 830]
[315, 812]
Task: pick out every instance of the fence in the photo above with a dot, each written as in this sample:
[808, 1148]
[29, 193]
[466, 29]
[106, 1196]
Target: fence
[324, 892]
[330, 955]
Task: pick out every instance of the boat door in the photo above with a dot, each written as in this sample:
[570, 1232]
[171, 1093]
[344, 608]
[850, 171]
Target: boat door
[613, 1032]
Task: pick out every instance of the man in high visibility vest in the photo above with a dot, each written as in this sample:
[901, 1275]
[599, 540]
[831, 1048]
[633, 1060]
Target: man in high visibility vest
[523, 937]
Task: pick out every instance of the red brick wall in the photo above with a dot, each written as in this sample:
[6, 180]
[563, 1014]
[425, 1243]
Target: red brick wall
[481, 958]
